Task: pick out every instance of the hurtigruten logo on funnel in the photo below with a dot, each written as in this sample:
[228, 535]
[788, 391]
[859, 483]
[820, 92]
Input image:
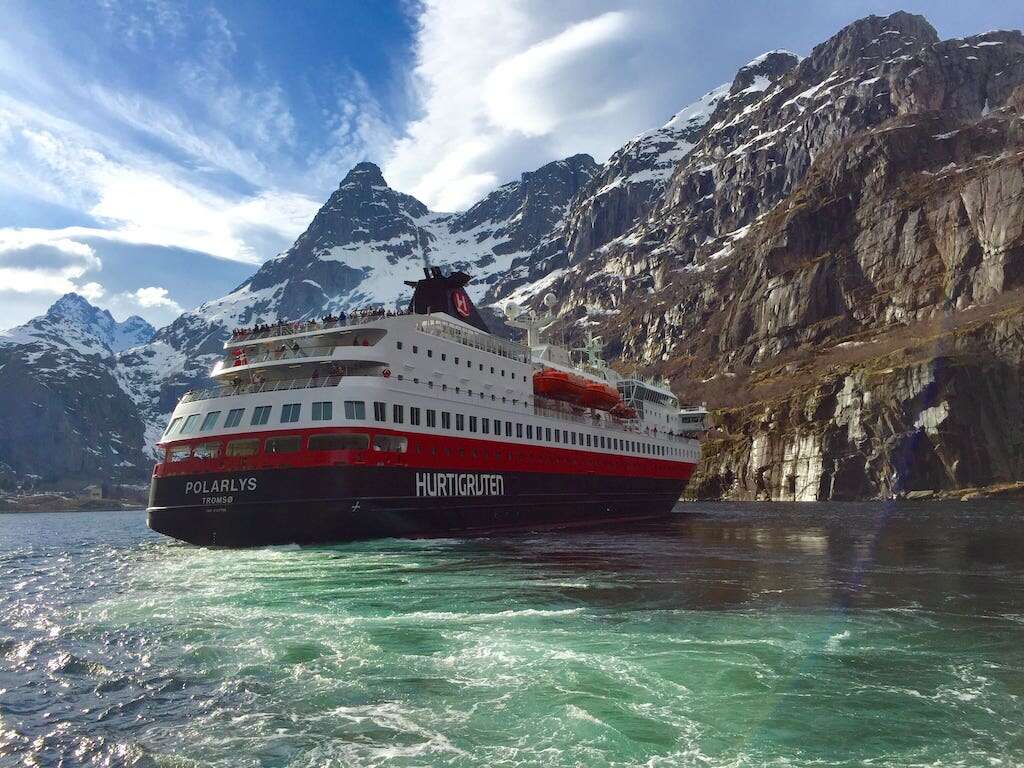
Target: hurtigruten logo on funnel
[461, 302]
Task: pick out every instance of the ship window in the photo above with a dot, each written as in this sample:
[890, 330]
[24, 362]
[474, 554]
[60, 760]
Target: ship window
[209, 421]
[414, 416]
[565, 436]
[492, 370]
[392, 443]
[323, 411]
[234, 418]
[529, 431]
[260, 415]
[519, 430]
[174, 423]
[286, 444]
[431, 417]
[179, 453]
[430, 353]
[207, 451]
[397, 413]
[602, 441]
[557, 437]
[398, 345]
[469, 363]
[508, 429]
[290, 412]
[481, 366]
[588, 440]
[472, 423]
[355, 409]
[460, 422]
[446, 420]
[485, 426]
[415, 349]
[443, 357]
[492, 397]
[456, 360]
[380, 411]
[249, 447]
[547, 434]
[190, 424]
[574, 438]
[502, 371]
[339, 442]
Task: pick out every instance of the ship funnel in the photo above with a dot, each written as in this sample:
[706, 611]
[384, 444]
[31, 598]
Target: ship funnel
[438, 292]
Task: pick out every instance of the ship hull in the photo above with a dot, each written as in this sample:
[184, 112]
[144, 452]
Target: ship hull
[315, 505]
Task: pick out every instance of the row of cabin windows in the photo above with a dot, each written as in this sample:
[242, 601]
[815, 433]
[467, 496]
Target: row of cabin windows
[457, 361]
[290, 413]
[281, 444]
[356, 410]
[498, 427]
[288, 444]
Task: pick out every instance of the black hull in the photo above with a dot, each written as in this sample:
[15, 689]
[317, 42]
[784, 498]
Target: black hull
[345, 503]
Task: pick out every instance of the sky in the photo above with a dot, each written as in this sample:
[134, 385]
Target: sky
[154, 153]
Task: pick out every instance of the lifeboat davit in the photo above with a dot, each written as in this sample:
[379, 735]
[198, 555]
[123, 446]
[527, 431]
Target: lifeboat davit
[623, 411]
[602, 397]
[558, 385]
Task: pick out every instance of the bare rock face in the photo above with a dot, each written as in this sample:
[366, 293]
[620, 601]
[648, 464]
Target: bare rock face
[811, 265]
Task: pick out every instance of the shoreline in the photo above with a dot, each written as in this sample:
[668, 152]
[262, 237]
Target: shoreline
[13, 505]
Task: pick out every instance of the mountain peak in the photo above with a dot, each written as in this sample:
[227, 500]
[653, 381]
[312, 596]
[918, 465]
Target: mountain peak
[365, 174]
[72, 306]
[873, 37]
[69, 301]
[766, 68]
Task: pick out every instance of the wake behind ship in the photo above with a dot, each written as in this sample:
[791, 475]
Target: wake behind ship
[416, 424]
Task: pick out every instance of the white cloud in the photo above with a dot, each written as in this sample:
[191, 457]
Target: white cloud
[525, 92]
[36, 262]
[92, 291]
[508, 87]
[152, 302]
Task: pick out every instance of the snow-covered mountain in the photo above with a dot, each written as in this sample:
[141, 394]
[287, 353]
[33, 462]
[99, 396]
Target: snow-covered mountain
[63, 413]
[73, 322]
[626, 186]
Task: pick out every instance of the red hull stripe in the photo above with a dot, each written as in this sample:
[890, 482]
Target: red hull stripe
[430, 452]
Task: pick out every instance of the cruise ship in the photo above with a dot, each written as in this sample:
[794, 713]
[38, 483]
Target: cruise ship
[419, 423]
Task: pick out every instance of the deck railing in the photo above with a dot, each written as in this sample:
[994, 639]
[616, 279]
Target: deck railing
[481, 341]
[306, 326]
[249, 388]
[287, 353]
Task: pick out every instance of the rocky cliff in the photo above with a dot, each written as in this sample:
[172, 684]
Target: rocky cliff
[834, 266]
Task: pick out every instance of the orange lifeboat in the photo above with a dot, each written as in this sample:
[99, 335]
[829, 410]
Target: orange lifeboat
[602, 397]
[558, 385]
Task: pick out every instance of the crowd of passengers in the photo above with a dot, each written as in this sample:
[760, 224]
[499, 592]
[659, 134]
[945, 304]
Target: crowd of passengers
[327, 321]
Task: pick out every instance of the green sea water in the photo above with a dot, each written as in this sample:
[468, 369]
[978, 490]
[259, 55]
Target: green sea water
[731, 635]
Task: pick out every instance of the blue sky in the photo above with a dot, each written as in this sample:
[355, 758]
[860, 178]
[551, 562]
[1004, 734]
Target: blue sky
[152, 154]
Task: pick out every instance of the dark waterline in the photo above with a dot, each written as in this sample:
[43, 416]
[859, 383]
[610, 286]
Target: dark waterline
[811, 634]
